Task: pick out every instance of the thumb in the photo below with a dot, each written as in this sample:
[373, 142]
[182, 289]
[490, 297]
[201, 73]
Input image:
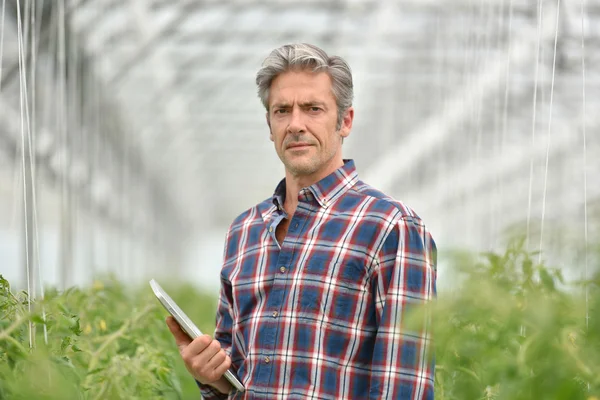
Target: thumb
[181, 338]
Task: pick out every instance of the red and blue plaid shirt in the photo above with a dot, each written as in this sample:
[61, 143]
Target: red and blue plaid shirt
[318, 315]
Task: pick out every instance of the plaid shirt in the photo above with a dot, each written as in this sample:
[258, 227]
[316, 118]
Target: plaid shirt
[318, 315]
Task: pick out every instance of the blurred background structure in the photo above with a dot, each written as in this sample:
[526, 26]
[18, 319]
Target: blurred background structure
[131, 134]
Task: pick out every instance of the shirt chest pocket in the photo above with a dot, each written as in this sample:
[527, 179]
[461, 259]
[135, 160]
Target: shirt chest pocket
[331, 289]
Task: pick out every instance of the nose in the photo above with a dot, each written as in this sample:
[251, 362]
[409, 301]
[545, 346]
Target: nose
[296, 123]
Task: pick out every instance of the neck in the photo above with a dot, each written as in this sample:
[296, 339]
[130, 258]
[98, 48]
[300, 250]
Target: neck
[294, 183]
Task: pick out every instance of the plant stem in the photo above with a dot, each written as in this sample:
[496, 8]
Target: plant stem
[6, 333]
[578, 362]
[102, 390]
[17, 344]
[112, 337]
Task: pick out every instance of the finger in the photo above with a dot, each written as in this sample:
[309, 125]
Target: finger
[223, 367]
[181, 338]
[199, 351]
[205, 346]
[216, 360]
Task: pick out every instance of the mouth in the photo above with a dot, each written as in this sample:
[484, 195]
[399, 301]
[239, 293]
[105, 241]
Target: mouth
[298, 146]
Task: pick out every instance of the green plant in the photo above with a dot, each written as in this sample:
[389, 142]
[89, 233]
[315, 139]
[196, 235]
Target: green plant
[513, 329]
[101, 344]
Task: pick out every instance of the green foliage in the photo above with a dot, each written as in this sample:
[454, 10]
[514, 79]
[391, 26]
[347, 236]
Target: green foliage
[513, 329]
[103, 343]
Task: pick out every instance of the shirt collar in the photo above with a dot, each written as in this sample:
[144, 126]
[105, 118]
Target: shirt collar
[327, 190]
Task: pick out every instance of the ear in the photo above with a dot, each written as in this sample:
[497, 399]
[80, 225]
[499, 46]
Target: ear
[347, 122]
[269, 125]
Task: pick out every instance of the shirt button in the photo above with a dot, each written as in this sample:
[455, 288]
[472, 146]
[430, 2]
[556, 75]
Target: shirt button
[282, 270]
[275, 314]
[271, 229]
[267, 360]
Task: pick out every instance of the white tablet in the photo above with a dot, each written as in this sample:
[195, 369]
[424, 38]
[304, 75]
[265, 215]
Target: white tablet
[187, 325]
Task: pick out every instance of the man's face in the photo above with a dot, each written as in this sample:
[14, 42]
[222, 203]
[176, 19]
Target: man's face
[303, 117]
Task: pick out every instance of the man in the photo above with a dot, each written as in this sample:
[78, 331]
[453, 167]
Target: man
[317, 280]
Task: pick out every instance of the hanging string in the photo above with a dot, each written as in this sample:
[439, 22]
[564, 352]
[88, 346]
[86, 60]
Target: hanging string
[500, 201]
[585, 210]
[2, 41]
[473, 62]
[35, 29]
[486, 45]
[24, 127]
[16, 171]
[533, 124]
[549, 135]
[61, 131]
[25, 27]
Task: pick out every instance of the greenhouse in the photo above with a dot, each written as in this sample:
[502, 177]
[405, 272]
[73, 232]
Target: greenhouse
[132, 136]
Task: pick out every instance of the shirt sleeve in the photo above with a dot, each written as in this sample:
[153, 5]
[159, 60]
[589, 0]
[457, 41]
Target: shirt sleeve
[223, 329]
[403, 278]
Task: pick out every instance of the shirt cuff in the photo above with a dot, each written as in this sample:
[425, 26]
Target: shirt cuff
[210, 393]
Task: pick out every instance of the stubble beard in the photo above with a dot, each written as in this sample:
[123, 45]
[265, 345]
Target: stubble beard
[302, 167]
[308, 164]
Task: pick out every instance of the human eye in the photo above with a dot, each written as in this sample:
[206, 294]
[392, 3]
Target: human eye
[279, 111]
[315, 109]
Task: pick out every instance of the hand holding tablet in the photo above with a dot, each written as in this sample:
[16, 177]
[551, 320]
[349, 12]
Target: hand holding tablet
[192, 331]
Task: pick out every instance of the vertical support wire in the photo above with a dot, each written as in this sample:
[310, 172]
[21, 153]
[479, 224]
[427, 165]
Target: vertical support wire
[16, 172]
[507, 78]
[93, 153]
[25, 125]
[472, 51]
[25, 27]
[62, 140]
[486, 15]
[533, 124]
[585, 210]
[499, 178]
[2, 39]
[549, 135]
[496, 193]
[72, 142]
[35, 29]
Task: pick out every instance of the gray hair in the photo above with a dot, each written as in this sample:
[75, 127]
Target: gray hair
[307, 56]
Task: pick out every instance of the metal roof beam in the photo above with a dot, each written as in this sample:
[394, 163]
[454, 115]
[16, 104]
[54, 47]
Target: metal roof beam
[505, 166]
[436, 130]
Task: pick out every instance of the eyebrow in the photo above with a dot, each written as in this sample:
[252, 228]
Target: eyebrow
[303, 104]
[312, 104]
[280, 105]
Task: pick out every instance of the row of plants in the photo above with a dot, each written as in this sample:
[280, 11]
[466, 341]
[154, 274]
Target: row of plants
[511, 329]
[514, 329]
[102, 342]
